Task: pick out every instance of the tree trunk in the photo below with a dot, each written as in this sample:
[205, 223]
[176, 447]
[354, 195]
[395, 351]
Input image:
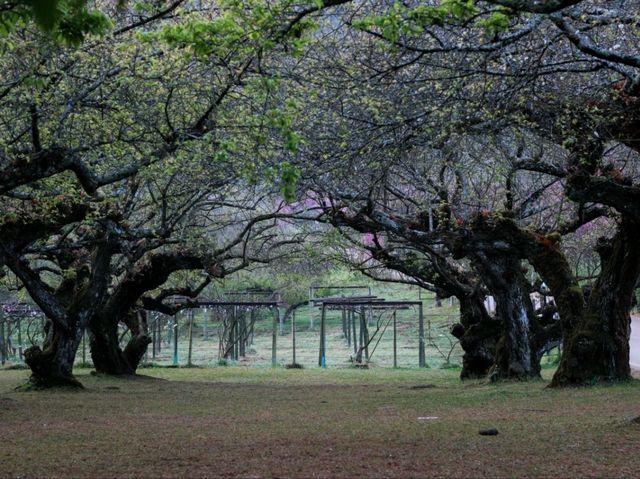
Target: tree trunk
[478, 333]
[53, 364]
[516, 352]
[595, 332]
[548, 332]
[137, 346]
[597, 346]
[135, 350]
[438, 302]
[107, 356]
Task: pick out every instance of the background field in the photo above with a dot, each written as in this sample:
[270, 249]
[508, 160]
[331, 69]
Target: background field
[442, 349]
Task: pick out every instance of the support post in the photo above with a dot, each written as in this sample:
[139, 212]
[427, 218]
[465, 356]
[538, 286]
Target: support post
[159, 344]
[311, 298]
[365, 325]
[253, 322]
[228, 317]
[395, 344]
[19, 339]
[422, 361]
[233, 338]
[84, 348]
[190, 313]
[9, 347]
[322, 358]
[205, 326]
[3, 348]
[354, 335]
[242, 336]
[293, 334]
[175, 340]
[154, 336]
[362, 328]
[236, 335]
[281, 321]
[274, 337]
[344, 323]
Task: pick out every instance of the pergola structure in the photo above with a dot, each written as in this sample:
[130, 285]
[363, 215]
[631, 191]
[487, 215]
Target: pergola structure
[313, 289]
[11, 322]
[253, 294]
[237, 333]
[361, 306]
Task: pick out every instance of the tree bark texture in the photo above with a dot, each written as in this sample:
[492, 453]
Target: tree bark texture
[516, 352]
[478, 333]
[52, 365]
[597, 343]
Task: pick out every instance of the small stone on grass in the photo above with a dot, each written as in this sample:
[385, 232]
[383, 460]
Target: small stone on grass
[633, 420]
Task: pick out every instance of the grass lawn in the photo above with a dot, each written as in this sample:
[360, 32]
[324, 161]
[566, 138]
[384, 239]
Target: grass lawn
[258, 422]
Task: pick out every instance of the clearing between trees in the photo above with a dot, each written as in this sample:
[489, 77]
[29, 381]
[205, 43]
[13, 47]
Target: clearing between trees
[256, 422]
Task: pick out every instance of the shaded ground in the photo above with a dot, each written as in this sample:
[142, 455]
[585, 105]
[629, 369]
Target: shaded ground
[313, 423]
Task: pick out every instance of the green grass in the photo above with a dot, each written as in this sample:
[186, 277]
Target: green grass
[262, 422]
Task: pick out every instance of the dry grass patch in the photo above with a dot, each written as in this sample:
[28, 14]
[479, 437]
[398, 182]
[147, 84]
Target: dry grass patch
[228, 422]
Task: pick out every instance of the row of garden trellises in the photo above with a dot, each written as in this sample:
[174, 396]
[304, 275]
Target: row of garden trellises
[21, 324]
[234, 315]
[236, 320]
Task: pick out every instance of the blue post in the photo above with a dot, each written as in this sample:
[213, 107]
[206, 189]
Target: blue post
[175, 341]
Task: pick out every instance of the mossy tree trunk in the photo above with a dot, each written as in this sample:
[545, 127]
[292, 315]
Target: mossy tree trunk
[496, 246]
[597, 345]
[67, 307]
[478, 333]
[123, 304]
[107, 355]
[595, 330]
[516, 351]
[52, 365]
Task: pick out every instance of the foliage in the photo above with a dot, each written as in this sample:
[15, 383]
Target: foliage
[67, 21]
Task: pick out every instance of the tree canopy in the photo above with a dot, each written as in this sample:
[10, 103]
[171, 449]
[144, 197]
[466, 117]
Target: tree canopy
[473, 148]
